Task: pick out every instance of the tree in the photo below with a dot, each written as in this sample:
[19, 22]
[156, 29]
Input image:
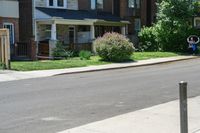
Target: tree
[174, 24]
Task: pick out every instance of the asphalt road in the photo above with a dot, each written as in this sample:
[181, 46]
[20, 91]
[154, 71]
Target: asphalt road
[49, 105]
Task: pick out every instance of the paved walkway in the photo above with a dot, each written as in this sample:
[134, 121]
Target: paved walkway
[8, 75]
[164, 118]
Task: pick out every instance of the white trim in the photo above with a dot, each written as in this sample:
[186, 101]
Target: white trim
[13, 30]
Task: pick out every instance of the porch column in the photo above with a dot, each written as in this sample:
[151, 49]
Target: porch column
[36, 31]
[92, 36]
[92, 32]
[52, 42]
[53, 32]
[123, 30]
[36, 36]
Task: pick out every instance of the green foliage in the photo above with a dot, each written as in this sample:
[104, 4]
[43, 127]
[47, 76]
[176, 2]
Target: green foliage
[60, 52]
[196, 6]
[148, 40]
[173, 26]
[85, 54]
[1, 65]
[114, 47]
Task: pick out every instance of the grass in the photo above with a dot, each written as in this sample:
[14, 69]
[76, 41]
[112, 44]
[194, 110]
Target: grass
[77, 62]
[152, 55]
[55, 64]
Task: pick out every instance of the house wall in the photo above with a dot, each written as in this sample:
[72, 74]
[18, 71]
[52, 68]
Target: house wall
[40, 3]
[146, 12]
[26, 20]
[9, 8]
[85, 5]
[108, 6]
[15, 22]
[71, 4]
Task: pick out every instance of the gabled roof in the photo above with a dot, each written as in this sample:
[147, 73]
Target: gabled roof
[79, 14]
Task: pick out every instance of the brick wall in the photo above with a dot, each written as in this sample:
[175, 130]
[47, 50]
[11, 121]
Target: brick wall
[123, 8]
[25, 21]
[143, 13]
[84, 4]
[108, 5]
[15, 22]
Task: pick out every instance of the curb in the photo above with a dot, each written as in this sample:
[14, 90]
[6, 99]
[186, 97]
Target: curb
[131, 66]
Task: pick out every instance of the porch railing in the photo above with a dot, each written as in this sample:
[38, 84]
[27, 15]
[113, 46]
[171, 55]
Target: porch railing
[22, 49]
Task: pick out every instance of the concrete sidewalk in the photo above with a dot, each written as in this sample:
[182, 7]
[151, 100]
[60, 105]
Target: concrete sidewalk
[18, 75]
[164, 118]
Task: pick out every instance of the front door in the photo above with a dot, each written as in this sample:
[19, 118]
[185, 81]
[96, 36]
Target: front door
[71, 35]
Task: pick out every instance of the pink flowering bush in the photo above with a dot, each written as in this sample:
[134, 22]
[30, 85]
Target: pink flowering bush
[114, 47]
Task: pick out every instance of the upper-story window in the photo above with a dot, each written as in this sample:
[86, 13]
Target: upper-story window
[50, 2]
[97, 4]
[60, 3]
[134, 3]
[93, 4]
[57, 3]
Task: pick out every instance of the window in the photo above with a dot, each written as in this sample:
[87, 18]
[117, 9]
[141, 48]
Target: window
[131, 3]
[57, 3]
[96, 4]
[60, 3]
[93, 4]
[99, 4]
[134, 3]
[197, 22]
[137, 3]
[10, 27]
[50, 2]
[137, 24]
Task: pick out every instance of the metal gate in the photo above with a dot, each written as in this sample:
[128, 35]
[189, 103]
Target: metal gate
[5, 48]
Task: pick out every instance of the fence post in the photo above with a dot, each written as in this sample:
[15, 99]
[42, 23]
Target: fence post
[5, 48]
[183, 107]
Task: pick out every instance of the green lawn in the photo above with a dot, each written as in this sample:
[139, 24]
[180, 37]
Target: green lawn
[76, 62]
[151, 55]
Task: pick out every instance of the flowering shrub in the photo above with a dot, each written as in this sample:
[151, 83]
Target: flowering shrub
[113, 47]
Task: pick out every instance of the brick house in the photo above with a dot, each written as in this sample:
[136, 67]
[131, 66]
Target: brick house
[139, 13]
[76, 23]
[9, 18]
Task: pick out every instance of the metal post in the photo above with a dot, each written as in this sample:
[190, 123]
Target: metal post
[183, 107]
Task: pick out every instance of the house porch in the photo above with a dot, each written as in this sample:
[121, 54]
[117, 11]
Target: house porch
[74, 34]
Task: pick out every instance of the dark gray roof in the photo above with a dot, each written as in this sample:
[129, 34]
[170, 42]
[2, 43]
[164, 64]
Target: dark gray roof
[79, 14]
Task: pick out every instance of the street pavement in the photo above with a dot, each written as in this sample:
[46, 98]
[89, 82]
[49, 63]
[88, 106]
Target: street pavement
[10, 75]
[57, 103]
[164, 118]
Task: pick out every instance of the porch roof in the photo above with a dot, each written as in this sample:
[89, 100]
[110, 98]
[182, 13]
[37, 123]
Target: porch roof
[82, 16]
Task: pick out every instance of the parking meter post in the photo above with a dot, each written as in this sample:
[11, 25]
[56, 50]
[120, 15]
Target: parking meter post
[183, 107]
